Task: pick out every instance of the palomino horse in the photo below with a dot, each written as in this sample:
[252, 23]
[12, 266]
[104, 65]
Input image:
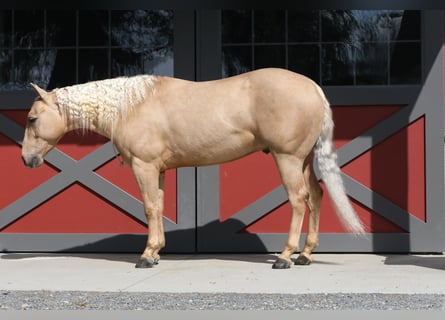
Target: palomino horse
[158, 123]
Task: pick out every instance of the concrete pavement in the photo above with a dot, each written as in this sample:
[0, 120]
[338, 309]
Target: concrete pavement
[224, 273]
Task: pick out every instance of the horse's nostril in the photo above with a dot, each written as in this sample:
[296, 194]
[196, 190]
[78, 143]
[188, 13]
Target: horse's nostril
[34, 162]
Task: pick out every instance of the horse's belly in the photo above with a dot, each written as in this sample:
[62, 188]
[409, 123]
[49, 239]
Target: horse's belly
[201, 153]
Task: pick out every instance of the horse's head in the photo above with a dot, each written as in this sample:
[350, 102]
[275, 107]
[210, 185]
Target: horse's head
[44, 128]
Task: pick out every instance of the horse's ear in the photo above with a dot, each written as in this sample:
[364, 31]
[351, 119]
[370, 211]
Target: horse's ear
[42, 93]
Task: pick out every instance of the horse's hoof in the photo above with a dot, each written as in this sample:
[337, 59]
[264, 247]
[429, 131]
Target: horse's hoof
[281, 264]
[302, 261]
[146, 263]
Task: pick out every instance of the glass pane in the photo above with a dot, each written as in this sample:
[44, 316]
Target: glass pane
[61, 28]
[5, 28]
[269, 26]
[236, 26]
[405, 25]
[337, 64]
[64, 70]
[305, 59]
[93, 28]
[159, 62]
[142, 29]
[236, 60]
[93, 64]
[5, 69]
[124, 62]
[270, 56]
[28, 29]
[372, 64]
[35, 66]
[147, 37]
[337, 25]
[405, 63]
[303, 26]
[370, 25]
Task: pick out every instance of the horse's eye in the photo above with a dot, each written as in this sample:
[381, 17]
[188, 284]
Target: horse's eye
[31, 120]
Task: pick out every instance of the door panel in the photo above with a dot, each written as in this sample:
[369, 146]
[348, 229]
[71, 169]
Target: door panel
[82, 199]
[389, 141]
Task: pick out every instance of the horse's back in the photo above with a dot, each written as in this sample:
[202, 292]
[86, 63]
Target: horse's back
[260, 92]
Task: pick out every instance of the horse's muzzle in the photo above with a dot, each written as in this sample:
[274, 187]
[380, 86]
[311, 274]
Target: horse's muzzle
[33, 162]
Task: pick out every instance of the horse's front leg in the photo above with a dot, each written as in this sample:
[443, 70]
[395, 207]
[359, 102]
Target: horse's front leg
[151, 185]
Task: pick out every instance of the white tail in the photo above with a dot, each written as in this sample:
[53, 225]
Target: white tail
[330, 173]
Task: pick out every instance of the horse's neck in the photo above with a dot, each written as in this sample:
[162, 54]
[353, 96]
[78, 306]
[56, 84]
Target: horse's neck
[98, 106]
[88, 115]
[89, 121]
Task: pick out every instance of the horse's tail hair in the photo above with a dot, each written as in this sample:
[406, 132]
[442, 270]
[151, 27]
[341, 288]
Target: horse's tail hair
[330, 172]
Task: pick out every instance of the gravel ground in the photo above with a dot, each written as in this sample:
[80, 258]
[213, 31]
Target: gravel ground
[76, 300]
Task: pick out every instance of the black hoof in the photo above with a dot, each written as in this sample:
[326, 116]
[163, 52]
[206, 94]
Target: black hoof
[302, 261]
[281, 264]
[146, 263]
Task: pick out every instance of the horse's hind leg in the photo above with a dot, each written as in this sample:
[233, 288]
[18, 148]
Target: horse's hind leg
[291, 171]
[314, 204]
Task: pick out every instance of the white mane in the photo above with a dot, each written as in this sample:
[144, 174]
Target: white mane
[102, 102]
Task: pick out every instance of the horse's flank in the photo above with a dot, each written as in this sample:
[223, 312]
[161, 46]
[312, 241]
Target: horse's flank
[102, 103]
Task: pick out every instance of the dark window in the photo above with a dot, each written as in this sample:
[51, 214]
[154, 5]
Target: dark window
[5, 28]
[5, 67]
[270, 56]
[332, 47]
[125, 61]
[61, 29]
[93, 64]
[59, 48]
[404, 58]
[237, 26]
[64, 68]
[372, 64]
[32, 64]
[337, 67]
[303, 26]
[93, 28]
[304, 59]
[237, 59]
[141, 42]
[28, 29]
[269, 26]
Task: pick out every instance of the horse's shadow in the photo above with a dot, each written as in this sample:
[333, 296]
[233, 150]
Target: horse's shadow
[127, 248]
[433, 261]
[116, 257]
[132, 258]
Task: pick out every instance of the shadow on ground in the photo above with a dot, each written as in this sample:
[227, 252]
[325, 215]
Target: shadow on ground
[434, 261]
[133, 257]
